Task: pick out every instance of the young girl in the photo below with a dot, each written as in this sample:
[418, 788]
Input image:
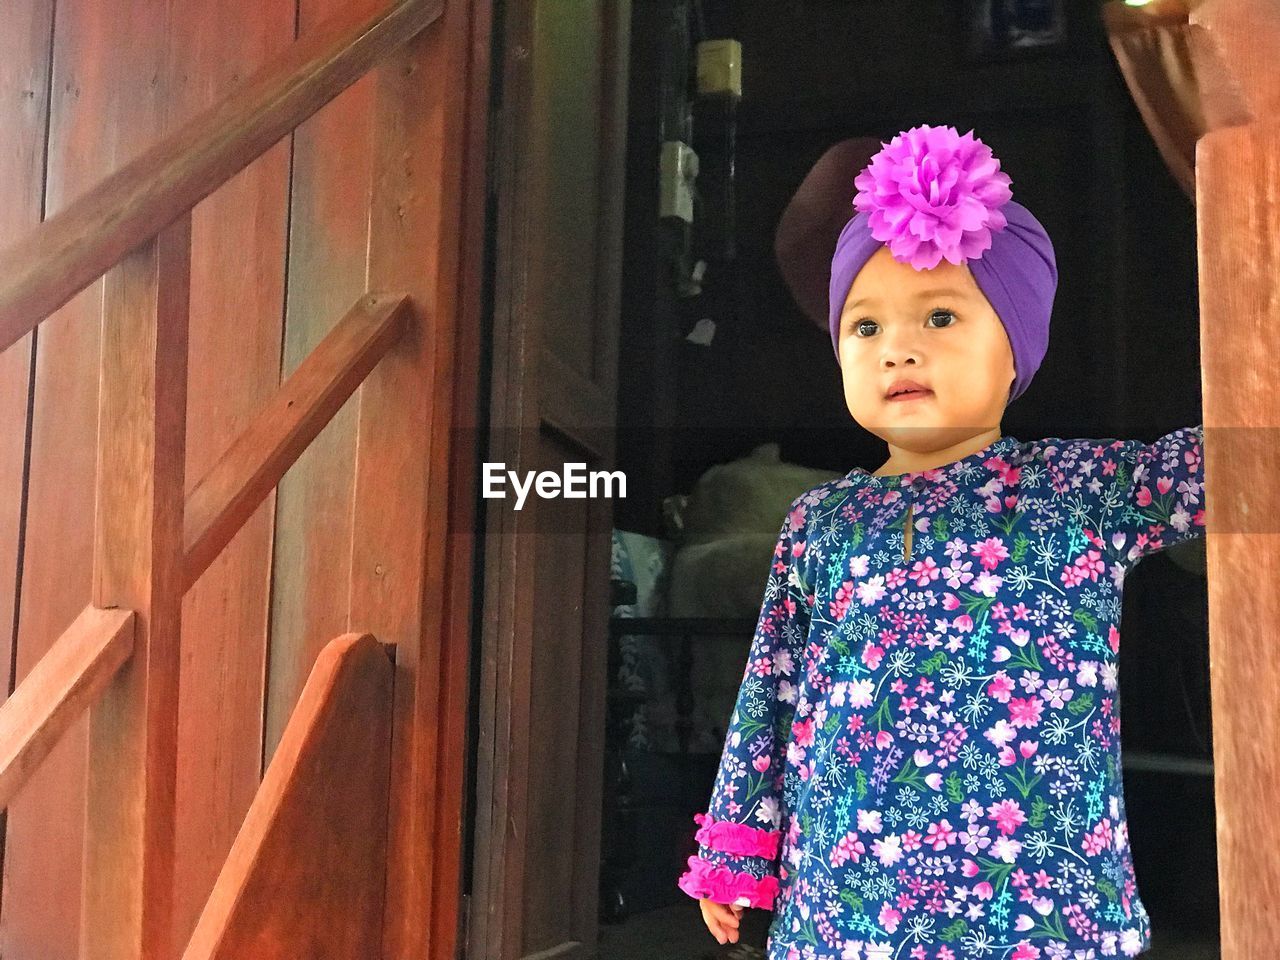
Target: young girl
[924, 759]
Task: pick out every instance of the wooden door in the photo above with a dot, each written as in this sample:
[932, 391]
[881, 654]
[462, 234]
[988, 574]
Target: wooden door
[560, 136]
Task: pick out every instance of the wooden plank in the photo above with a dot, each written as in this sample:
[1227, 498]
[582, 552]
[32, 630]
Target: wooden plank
[239, 254]
[25, 51]
[72, 249]
[414, 517]
[24, 116]
[501, 775]
[259, 457]
[138, 563]
[1238, 236]
[91, 100]
[328, 253]
[58, 690]
[1238, 246]
[305, 875]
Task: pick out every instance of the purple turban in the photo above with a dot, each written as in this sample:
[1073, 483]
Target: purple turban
[932, 194]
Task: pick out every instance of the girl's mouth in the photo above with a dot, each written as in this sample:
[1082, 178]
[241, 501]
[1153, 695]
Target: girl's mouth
[910, 395]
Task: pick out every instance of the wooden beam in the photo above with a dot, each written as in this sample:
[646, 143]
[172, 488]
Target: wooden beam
[1238, 238]
[305, 875]
[138, 564]
[254, 463]
[1238, 248]
[413, 519]
[59, 688]
[73, 248]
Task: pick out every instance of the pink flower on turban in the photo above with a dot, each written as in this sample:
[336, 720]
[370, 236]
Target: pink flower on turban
[932, 193]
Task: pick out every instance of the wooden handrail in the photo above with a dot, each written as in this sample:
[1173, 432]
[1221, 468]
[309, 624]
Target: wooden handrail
[305, 875]
[254, 463]
[74, 247]
[123, 657]
[60, 687]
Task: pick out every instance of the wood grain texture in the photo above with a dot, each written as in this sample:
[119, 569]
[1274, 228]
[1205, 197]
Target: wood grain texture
[71, 250]
[328, 271]
[239, 252]
[107, 106]
[413, 520]
[1238, 236]
[1248, 34]
[65, 682]
[138, 564]
[305, 875]
[1238, 240]
[100, 107]
[24, 116]
[259, 457]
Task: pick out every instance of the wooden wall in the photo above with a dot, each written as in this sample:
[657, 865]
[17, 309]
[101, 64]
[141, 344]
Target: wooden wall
[279, 254]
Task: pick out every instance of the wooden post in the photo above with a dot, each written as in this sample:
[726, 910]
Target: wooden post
[138, 565]
[398, 546]
[1238, 209]
[413, 519]
[1238, 244]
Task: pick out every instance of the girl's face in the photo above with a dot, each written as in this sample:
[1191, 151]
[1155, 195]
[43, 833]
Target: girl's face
[934, 327]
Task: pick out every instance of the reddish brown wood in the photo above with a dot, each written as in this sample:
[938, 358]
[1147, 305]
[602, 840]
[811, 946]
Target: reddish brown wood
[1177, 77]
[413, 517]
[24, 72]
[24, 54]
[305, 875]
[72, 249]
[239, 251]
[1248, 33]
[89, 108]
[328, 266]
[58, 690]
[470, 41]
[43, 854]
[138, 564]
[259, 457]
[1238, 241]
[1238, 235]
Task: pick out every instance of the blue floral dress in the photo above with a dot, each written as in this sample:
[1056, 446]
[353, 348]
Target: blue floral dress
[924, 757]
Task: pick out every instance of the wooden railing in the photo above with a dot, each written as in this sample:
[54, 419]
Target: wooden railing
[120, 658]
[334, 762]
[73, 248]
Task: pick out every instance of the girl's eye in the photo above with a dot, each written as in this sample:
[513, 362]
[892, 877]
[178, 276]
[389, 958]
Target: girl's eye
[861, 327]
[942, 313]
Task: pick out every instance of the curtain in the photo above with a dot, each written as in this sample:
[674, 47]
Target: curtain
[1177, 76]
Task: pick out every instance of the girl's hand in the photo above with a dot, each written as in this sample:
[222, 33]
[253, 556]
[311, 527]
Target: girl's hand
[721, 919]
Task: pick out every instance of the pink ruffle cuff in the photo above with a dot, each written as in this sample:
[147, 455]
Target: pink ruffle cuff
[740, 839]
[715, 881]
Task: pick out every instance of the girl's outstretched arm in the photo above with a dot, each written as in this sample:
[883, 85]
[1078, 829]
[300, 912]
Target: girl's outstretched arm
[1138, 498]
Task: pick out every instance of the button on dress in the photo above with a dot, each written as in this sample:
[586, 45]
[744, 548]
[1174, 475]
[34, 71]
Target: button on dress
[924, 758]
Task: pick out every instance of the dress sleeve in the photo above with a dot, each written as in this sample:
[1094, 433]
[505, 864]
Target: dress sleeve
[740, 835]
[1138, 498]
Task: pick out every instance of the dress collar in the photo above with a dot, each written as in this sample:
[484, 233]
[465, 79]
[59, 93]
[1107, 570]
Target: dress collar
[1000, 447]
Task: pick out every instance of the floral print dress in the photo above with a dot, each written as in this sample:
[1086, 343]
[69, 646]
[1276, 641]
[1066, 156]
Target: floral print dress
[924, 758]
